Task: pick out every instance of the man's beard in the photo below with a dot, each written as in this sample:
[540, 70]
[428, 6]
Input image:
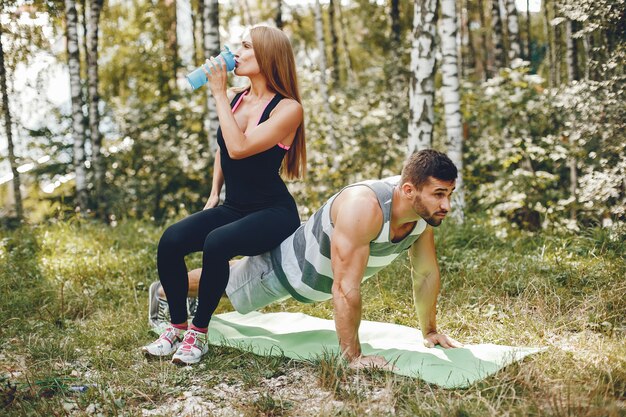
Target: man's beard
[429, 218]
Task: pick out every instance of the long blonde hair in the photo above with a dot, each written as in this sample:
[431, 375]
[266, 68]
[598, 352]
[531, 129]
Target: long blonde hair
[277, 64]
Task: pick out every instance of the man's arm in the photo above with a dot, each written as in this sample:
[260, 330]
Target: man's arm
[426, 283]
[357, 219]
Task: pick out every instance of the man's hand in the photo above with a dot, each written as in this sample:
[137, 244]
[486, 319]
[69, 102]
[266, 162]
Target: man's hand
[372, 361]
[434, 338]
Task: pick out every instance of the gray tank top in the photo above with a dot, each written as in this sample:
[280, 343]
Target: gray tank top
[302, 262]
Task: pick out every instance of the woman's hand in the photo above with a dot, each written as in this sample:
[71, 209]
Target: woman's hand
[213, 201]
[217, 76]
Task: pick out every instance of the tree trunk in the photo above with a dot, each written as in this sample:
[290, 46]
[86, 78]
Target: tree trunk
[587, 55]
[19, 211]
[78, 126]
[573, 178]
[184, 21]
[452, 98]
[395, 22]
[499, 57]
[473, 63]
[462, 31]
[515, 50]
[550, 43]
[528, 34]
[334, 44]
[171, 46]
[94, 98]
[483, 38]
[279, 14]
[557, 49]
[319, 34]
[343, 24]
[422, 89]
[572, 64]
[211, 25]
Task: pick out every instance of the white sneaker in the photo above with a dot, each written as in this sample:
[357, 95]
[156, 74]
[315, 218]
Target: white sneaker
[195, 344]
[166, 344]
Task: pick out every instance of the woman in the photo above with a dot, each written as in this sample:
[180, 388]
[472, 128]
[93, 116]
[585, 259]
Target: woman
[261, 129]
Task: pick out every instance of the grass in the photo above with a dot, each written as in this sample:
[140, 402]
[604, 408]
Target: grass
[74, 313]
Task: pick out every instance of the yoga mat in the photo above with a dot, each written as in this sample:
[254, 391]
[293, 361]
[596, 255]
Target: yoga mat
[299, 336]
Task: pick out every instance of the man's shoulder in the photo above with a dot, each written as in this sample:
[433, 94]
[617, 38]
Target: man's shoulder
[359, 198]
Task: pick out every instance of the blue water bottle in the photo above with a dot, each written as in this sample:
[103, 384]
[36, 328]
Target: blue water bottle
[197, 78]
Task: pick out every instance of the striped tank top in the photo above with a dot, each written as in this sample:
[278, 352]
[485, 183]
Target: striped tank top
[302, 262]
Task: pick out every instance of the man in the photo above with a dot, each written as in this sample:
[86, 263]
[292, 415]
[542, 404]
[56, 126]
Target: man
[356, 233]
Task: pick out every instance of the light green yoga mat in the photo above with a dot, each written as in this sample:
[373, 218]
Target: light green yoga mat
[299, 336]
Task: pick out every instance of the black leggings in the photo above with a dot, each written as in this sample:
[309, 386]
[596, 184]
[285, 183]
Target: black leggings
[221, 233]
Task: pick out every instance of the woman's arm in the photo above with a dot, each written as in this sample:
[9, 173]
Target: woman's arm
[286, 118]
[218, 182]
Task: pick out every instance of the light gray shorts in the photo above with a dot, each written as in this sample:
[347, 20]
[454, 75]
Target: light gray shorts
[253, 284]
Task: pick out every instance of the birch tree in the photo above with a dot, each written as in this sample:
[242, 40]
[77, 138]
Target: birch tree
[78, 125]
[550, 38]
[321, 45]
[184, 36]
[422, 89]
[452, 98]
[528, 34]
[94, 98]
[515, 50]
[572, 63]
[334, 42]
[211, 43]
[499, 57]
[17, 195]
[483, 38]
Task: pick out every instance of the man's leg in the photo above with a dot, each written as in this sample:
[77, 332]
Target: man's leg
[253, 284]
[194, 280]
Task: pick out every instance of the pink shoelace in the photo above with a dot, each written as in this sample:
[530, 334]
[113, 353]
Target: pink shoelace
[170, 335]
[189, 341]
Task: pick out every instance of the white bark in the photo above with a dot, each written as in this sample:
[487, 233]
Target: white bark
[321, 45]
[211, 43]
[78, 125]
[515, 50]
[572, 67]
[184, 35]
[94, 98]
[17, 195]
[422, 90]
[452, 98]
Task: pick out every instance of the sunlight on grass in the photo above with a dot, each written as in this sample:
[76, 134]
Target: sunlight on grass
[80, 291]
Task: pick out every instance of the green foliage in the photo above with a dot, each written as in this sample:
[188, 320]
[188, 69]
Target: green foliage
[527, 140]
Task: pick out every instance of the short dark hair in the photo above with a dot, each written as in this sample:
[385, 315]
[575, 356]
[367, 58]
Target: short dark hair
[428, 163]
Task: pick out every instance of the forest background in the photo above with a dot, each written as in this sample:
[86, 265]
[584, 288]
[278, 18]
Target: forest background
[103, 144]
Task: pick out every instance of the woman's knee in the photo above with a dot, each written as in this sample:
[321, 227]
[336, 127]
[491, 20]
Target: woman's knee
[217, 247]
[171, 240]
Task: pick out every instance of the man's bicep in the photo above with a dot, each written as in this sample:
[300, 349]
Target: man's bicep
[354, 228]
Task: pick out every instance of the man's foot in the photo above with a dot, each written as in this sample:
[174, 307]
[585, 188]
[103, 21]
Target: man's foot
[195, 344]
[192, 305]
[166, 344]
[158, 310]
